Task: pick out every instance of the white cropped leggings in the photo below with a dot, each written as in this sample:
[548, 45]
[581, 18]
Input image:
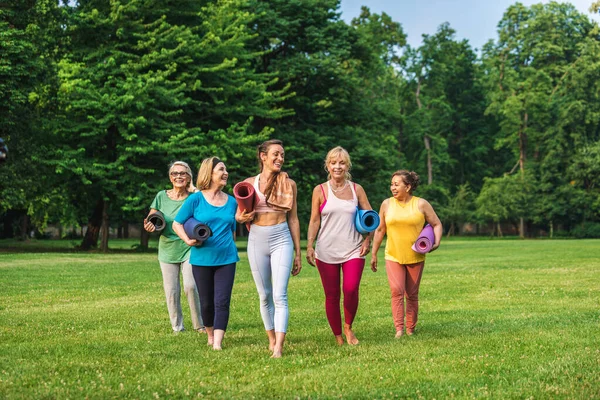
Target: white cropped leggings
[270, 252]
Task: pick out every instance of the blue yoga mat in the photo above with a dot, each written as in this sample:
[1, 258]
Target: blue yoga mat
[366, 221]
[197, 230]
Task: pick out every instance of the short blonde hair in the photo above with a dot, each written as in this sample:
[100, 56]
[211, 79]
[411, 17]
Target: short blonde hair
[188, 170]
[336, 152]
[205, 172]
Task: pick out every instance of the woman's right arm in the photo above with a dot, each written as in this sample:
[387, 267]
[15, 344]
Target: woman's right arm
[149, 226]
[178, 229]
[185, 212]
[314, 225]
[379, 234]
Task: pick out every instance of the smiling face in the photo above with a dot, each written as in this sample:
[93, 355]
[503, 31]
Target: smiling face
[273, 159]
[400, 190]
[219, 175]
[179, 177]
[337, 168]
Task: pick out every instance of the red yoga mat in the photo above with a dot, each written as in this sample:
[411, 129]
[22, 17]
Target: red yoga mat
[246, 198]
[425, 241]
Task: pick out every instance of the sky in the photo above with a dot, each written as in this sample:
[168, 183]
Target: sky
[475, 20]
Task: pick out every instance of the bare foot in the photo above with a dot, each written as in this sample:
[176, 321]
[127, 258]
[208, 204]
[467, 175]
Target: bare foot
[399, 334]
[350, 337]
[277, 353]
[210, 340]
[339, 340]
[271, 345]
[410, 332]
[216, 347]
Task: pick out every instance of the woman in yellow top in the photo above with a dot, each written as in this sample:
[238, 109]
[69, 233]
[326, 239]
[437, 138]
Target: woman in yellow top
[403, 216]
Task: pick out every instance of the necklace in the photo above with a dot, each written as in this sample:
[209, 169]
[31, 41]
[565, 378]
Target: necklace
[338, 189]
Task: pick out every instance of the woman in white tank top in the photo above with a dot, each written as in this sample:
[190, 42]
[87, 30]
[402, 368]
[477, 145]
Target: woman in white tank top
[340, 247]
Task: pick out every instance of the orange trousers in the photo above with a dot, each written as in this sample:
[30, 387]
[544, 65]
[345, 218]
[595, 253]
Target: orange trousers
[404, 280]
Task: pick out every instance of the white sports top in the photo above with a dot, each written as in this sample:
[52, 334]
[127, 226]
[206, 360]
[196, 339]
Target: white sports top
[261, 205]
[338, 239]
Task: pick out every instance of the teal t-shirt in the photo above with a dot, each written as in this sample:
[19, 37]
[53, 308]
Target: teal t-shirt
[171, 249]
[219, 249]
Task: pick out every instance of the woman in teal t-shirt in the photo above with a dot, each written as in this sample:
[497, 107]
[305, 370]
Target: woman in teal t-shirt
[173, 253]
[213, 261]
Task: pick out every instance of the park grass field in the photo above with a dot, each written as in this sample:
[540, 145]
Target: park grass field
[498, 319]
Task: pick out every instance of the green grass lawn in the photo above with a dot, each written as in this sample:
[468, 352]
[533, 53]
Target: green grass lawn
[498, 319]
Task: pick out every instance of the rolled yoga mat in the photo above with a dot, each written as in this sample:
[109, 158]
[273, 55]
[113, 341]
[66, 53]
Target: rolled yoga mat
[158, 220]
[245, 196]
[197, 230]
[366, 221]
[425, 241]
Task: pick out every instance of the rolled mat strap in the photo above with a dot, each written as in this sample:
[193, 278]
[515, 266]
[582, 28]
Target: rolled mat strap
[425, 241]
[197, 230]
[158, 220]
[366, 221]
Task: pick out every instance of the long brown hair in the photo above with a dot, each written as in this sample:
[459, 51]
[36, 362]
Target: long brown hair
[264, 148]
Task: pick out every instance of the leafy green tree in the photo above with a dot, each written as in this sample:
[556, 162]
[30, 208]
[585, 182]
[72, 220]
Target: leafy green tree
[30, 39]
[460, 209]
[139, 91]
[504, 199]
[345, 90]
[524, 69]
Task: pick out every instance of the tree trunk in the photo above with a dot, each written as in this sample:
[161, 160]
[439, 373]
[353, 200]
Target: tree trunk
[126, 230]
[105, 228]
[427, 141]
[144, 238]
[90, 239]
[499, 229]
[522, 149]
[551, 229]
[426, 138]
[451, 230]
[25, 227]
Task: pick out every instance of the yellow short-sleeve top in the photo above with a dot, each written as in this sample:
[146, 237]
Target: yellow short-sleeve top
[403, 223]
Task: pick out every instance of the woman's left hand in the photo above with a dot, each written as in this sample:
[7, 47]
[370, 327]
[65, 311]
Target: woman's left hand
[297, 265]
[365, 248]
[245, 217]
[434, 247]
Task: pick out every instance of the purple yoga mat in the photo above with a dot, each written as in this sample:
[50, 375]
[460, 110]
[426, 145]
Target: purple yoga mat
[425, 240]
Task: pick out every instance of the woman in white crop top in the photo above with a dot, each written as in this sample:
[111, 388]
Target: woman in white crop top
[274, 237]
[340, 247]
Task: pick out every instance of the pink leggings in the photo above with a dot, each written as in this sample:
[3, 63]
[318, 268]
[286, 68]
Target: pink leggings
[330, 277]
[404, 280]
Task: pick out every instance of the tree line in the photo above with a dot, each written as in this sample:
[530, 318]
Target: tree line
[97, 97]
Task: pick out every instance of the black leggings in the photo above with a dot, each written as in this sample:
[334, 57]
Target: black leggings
[214, 287]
